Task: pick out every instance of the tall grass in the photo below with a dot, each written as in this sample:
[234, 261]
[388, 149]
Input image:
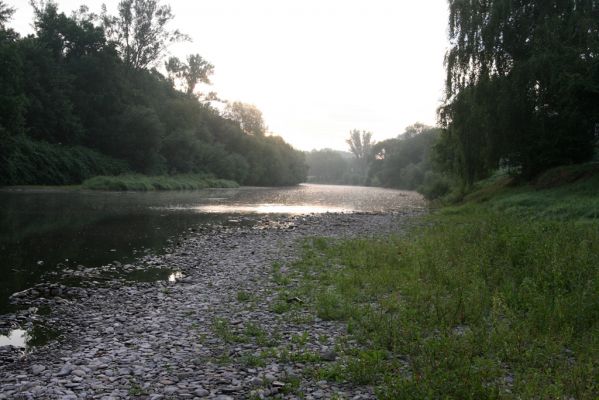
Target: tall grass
[565, 194]
[478, 305]
[146, 183]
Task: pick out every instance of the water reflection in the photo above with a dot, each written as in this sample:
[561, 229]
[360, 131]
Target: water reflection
[175, 276]
[270, 209]
[15, 338]
[43, 232]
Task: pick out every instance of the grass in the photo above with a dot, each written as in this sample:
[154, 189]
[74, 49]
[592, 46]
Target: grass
[135, 182]
[496, 299]
[566, 193]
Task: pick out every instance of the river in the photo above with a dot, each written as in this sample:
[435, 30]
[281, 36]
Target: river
[45, 230]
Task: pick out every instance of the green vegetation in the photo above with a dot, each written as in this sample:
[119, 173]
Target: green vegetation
[332, 167]
[146, 183]
[521, 86]
[521, 96]
[31, 162]
[405, 162]
[563, 193]
[496, 298]
[83, 97]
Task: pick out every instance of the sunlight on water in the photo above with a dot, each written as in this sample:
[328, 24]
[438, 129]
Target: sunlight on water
[175, 276]
[269, 209]
[16, 338]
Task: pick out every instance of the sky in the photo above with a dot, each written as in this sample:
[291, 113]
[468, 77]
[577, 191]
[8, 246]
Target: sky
[315, 68]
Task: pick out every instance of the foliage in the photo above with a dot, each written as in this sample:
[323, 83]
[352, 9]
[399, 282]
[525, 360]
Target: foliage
[333, 167]
[474, 304]
[405, 162]
[248, 116]
[146, 183]
[84, 81]
[140, 31]
[522, 86]
[361, 143]
[24, 161]
[6, 13]
[196, 70]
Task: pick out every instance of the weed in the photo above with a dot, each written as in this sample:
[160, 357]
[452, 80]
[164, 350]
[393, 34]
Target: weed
[250, 360]
[243, 296]
[454, 307]
[223, 330]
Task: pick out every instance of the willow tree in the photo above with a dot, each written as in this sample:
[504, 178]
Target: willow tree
[522, 85]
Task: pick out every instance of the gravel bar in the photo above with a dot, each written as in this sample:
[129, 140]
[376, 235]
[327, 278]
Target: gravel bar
[211, 333]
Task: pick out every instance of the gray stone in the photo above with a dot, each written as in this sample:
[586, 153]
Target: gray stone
[65, 370]
[37, 369]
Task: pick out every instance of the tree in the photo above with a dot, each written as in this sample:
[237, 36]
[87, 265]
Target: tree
[196, 70]
[328, 166]
[521, 86]
[360, 144]
[6, 13]
[248, 116]
[403, 162]
[72, 108]
[12, 99]
[140, 31]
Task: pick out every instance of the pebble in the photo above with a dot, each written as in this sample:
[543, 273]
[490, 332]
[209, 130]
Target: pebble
[179, 339]
[37, 369]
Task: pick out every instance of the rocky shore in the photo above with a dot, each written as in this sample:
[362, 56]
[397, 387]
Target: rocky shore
[218, 329]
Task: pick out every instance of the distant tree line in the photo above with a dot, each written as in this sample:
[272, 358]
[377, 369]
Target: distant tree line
[404, 162]
[522, 96]
[333, 167]
[82, 97]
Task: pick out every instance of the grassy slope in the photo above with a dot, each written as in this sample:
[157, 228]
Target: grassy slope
[146, 183]
[497, 298]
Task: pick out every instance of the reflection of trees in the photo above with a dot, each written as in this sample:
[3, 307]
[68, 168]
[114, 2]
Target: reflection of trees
[81, 227]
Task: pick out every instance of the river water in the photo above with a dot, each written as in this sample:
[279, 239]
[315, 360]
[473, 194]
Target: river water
[45, 230]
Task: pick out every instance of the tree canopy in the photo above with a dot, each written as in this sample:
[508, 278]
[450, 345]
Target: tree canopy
[522, 87]
[79, 98]
[248, 116]
[140, 31]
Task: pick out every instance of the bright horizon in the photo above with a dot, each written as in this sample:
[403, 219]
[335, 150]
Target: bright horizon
[315, 70]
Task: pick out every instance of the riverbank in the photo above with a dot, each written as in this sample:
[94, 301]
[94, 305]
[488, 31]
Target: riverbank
[494, 298]
[144, 183]
[227, 327]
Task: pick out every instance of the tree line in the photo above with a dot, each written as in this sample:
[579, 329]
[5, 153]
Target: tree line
[83, 96]
[404, 162]
[522, 96]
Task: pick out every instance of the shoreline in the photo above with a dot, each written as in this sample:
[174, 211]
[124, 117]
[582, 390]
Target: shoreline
[220, 331]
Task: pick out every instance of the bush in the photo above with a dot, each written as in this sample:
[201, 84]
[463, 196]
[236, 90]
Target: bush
[435, 186]
[24, 161]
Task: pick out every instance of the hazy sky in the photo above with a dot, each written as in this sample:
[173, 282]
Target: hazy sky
[316, 68]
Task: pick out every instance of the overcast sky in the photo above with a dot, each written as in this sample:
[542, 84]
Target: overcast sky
[316, 68]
